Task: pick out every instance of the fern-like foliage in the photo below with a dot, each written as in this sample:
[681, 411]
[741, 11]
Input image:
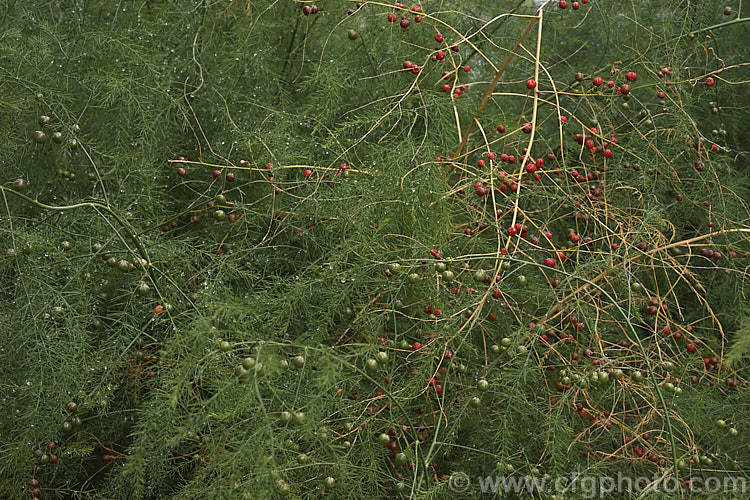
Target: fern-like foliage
[244, 241]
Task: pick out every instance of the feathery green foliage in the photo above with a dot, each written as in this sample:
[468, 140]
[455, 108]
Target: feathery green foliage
[257, 237]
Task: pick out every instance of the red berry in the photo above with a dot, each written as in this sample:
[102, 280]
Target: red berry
[467, 68]
[181, 172]
[562, 4]
[531, 84]
[306, 10]
[597, 81]
[416, 346]
[307, 173]
[217, 175]
[439, 37]
[549, 262]
[624, 89]
[576, 5]
[709, 81]
[607, 153]
[230, 177]
[404, 24]
[501, 128]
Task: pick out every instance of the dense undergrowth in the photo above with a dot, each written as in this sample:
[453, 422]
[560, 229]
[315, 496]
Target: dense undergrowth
[265, 248]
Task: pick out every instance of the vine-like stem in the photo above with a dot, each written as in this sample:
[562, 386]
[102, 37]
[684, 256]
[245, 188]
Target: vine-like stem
[493, 84]
[723, 25]
[96, 206]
